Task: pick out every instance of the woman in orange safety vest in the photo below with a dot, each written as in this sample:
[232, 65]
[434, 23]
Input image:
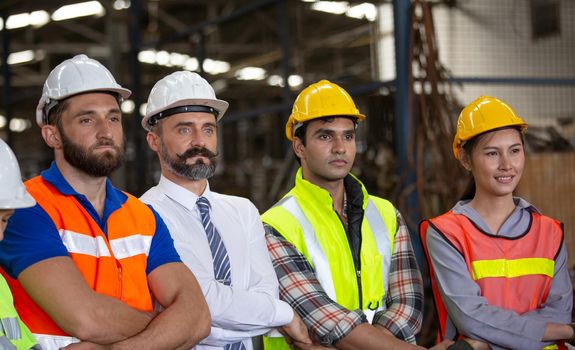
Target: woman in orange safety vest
[498, 266]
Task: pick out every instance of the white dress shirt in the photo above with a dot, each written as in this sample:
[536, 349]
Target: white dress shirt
[250, 306]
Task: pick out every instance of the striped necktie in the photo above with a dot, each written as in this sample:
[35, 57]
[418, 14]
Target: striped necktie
[220, 259]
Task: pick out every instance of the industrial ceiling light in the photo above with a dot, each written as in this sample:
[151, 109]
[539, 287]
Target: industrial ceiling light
[19, 124]
[216, 67]
[21, 57]
[127, 106]
[250, 73]
[335, 7]
[121, 4]
[294, 80]
[81, 9]
[365, 10]
[21, 20]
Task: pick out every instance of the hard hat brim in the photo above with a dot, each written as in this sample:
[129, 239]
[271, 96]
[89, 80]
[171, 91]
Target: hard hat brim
[122, 92]
[25, 202]
[220, 105]
[292, 121]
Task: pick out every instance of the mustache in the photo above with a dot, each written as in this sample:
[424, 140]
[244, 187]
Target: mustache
[105, 142]
[197, 151]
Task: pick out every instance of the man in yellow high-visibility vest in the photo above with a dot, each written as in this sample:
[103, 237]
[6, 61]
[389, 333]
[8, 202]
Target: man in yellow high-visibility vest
[343, 257]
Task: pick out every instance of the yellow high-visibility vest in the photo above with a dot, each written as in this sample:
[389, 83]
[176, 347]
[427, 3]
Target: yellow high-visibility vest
[305, 217]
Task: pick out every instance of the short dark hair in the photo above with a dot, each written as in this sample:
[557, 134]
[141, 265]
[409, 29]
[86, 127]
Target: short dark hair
[55, 114]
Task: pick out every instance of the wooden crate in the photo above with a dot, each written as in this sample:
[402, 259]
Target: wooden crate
[549, 183]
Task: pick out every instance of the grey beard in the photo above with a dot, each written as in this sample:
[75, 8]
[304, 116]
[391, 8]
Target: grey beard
[196, 171]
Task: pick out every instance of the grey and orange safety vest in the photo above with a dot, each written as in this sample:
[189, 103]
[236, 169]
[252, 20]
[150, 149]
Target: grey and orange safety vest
[513, 273]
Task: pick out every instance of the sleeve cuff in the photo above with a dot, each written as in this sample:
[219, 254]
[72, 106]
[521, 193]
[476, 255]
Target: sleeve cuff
[283, 315]
[400, 329]
[344, 327]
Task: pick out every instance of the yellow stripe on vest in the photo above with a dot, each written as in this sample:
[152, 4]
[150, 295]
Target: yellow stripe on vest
[512, 268]
[550, 347]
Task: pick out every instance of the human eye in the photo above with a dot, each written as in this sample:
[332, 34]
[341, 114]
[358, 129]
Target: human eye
[210, 130]
[183, 130]
[349, 137]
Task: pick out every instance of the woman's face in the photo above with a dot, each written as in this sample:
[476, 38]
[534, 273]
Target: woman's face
[496, 162]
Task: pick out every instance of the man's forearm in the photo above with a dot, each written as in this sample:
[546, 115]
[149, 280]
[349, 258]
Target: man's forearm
[60, 290]
[185, 320]
[368, 337]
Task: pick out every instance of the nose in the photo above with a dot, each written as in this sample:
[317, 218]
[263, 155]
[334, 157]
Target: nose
[104, 128]
[197, 138]
[338, 145]
[504, 162]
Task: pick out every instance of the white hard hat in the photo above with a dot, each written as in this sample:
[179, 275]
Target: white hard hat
[74, 76]
[181, 92]
[13, 194]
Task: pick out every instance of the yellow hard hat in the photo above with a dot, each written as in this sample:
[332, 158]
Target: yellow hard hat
[482, 115]
[322, 99]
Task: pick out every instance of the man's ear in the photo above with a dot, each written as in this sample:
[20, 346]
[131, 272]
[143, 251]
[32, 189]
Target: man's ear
[52, 136]
[298, 147]
[153, 141]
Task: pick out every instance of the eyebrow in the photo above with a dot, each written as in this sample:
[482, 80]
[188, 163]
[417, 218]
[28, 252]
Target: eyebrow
[194, 123]
[84, 112]
[331, 131]
[494, 147]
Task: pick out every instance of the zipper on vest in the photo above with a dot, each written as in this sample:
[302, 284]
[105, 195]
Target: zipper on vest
[121, 279]
[358, 275]
[356, 261]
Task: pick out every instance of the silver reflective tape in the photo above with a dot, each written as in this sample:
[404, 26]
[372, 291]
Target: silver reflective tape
[315, 252]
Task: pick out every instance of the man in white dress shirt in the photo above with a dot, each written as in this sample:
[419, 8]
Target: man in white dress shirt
[216, 235]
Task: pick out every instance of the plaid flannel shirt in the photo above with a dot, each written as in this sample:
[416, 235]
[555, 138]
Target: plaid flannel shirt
[329, 321]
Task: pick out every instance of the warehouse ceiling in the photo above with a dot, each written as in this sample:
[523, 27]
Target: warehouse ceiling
[248, 46]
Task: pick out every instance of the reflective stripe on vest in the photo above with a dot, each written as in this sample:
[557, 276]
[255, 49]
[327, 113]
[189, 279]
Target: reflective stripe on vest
[10, 327]
[319, 259]
[96, 246]
[382, 240]
[512, 268]
[54, 342]
[13, 333]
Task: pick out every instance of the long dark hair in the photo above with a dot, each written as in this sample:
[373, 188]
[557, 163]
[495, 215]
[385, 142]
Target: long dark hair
[468, 147]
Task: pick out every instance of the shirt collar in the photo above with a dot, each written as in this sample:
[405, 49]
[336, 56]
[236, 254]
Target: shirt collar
[114, 197]
[462, 207]
[54, 177]
[182, 195]
[322, 196]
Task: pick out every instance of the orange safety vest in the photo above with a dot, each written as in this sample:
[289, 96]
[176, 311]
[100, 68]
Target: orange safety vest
[113, 265]
[512, 273]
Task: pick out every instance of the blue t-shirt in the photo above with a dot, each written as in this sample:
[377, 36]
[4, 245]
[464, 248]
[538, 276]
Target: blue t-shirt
[31, 236]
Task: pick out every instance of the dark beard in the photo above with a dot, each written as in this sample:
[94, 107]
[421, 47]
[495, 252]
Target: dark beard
[95, 165]
[197, 171]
